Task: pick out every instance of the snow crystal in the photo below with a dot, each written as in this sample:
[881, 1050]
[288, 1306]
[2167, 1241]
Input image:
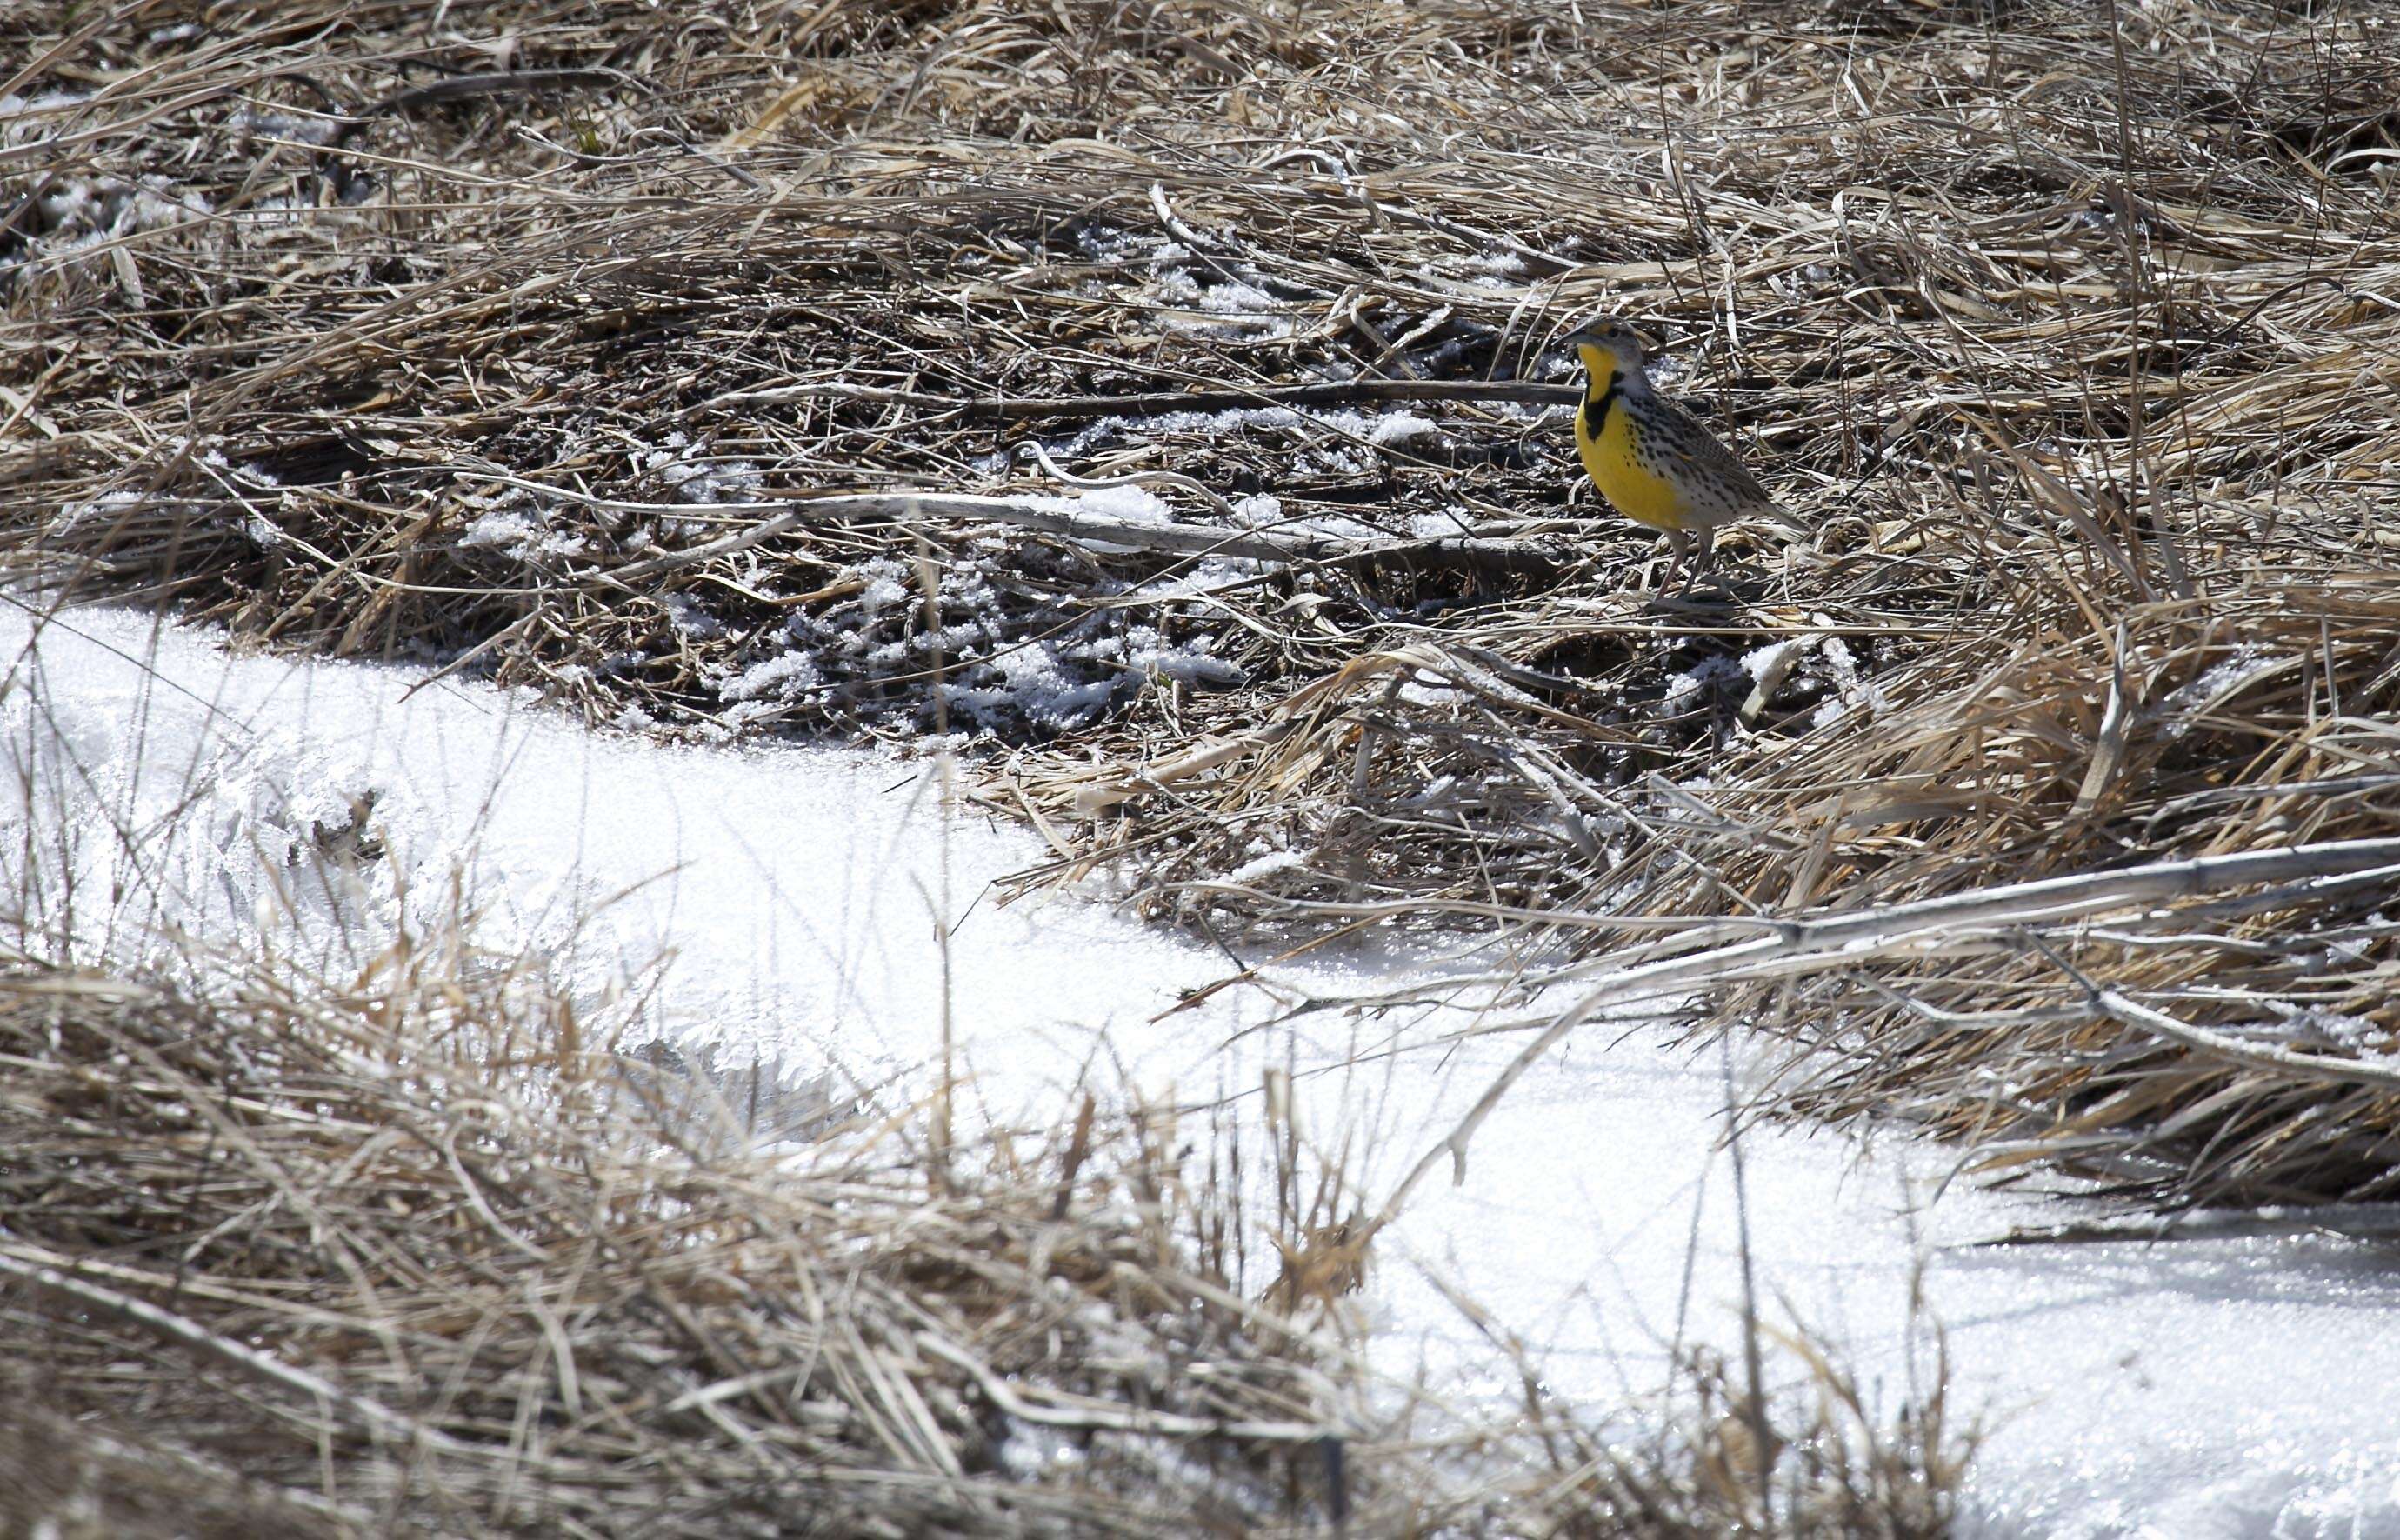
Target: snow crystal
[1260, 509]
[691, 619]
[786, 675]
[518, 533]
[1037, 685]
[2247, 662]
[1710, 674]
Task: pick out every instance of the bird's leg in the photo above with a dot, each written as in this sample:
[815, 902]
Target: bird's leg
[1677, 543]
[1708, 552]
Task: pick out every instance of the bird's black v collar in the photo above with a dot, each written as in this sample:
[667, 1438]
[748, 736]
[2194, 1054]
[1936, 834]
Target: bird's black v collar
[1595, 408]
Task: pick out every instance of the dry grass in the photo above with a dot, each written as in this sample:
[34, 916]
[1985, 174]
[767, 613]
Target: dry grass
[418, 1236]
[2074, 335]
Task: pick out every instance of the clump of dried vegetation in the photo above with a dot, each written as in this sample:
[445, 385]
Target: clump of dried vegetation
[424, 1233]
[737, 368]
[415, 1247]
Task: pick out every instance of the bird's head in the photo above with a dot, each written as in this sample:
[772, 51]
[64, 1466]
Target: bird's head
[1608, 346]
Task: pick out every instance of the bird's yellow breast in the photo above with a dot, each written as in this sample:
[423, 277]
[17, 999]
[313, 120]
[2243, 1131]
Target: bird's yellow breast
[1612, 460]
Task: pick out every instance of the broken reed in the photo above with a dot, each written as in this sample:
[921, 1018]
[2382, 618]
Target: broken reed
[2068, 339]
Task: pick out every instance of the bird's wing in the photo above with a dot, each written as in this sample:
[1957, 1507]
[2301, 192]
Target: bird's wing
[1706, 453]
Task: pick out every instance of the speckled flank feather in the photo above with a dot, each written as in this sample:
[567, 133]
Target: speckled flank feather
[1670, 443]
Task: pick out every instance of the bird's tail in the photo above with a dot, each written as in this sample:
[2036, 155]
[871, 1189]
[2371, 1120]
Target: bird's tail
[1783, 515]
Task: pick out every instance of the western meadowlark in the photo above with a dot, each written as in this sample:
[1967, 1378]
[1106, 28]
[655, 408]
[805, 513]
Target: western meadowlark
[1649, 458]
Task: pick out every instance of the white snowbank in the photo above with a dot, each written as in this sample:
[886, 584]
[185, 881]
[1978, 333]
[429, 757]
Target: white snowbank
[2238, 1388]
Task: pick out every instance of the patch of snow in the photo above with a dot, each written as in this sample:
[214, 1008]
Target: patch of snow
[1190, 662]
[1401, 427]
[793, 899]
[25, 120]
[1416, 693]
[1267, 866]
[518, 532]
[1238, 299]
[1848, 692]
[690, 477]
[691, 621]
[300, 127]
[1240, 309]
[1030, 1452]
[1709, 675]
[888, 581]
[1453, 523]
[1127, 504]
[1370, 428]
[248, 473]
[785, 676]
[75, 514]
[2184, 705]
[1209, 572]
[1034, 683]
